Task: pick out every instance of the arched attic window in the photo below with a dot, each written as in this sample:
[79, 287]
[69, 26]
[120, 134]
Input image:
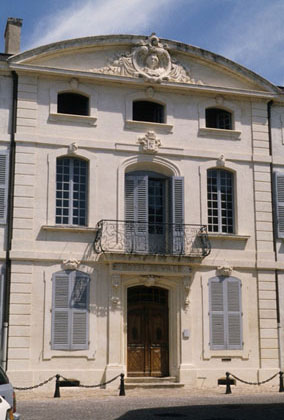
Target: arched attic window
[218, 118]
[72, 103]
[148, 111]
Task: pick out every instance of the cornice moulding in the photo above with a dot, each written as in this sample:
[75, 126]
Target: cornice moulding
[27, 68]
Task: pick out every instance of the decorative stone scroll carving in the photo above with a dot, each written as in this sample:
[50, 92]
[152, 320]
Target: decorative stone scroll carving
[187, 284]
[150, 60]
[73, 148]
[150, 143]
[116, 283]
[70, 264]
[224, 270]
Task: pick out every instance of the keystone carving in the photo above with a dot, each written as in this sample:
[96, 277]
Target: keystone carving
[150, 143]
[224, 270]
[149, 59]
[73, 148]
[221, 162]
[71, 264]
[149, 281]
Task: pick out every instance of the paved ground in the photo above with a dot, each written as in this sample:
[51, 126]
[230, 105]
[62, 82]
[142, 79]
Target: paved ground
[197, 404]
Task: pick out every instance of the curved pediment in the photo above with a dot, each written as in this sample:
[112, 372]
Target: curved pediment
[149, 58]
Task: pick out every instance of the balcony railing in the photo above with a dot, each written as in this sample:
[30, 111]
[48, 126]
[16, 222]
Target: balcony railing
[115, 236]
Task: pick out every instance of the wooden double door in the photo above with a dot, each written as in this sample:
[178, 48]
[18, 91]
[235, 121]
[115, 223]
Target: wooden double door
[147, 332]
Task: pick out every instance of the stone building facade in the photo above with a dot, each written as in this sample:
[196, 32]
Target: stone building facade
[143, 239]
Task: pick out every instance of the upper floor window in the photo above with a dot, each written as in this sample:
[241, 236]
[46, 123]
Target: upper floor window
[70, 307]
[154, 205]
[225, 313]
[148, 111]
[71, 191]
[218, 118]
[72, 103]
[220, 201]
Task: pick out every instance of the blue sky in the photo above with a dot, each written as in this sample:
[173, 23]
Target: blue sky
[250, 32]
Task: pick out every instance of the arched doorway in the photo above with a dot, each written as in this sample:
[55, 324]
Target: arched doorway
[147, 331]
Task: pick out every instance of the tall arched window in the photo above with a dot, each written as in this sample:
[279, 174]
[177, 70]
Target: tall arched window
[71, 191]
[218, 118]
[220, 200]
[72, 103]
[70, 310]
[225, 313]
[148, 111]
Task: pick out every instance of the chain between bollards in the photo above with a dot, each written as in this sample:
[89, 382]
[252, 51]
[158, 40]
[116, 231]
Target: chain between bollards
[228, 381]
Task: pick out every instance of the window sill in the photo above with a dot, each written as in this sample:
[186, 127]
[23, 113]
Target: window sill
[226, 354]
[81, 119]
[166, 128]
[228, 236]
[69, 228]
[217, 132]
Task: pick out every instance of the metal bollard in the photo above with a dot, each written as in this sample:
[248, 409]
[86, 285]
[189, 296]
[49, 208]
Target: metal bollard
[228, 384]
[57, 387]
[122, 388]
[281, 385]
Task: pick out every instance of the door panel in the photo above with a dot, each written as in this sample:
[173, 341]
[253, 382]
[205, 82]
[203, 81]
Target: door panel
[147, 338]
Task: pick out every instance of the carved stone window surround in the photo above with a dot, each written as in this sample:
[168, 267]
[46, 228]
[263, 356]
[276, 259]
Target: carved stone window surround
[232, 107]
[228, 236]
[69, 228]
[71, 86]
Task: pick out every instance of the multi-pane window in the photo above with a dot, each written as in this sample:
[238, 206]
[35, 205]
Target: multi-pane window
[70, 306]
[218, 118]
[71, 191]
[220, 201]
[225, 313]
[72, 103]
[148, 111]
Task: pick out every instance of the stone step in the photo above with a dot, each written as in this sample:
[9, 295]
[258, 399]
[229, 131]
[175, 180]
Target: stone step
[149, 379]
[154, 385]
[152, 382]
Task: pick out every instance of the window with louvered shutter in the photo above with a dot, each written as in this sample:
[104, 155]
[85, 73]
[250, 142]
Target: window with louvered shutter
[279, 201]
[70, 311]
[176, 213]
[3, 186]
[225, 313]
[136, 211]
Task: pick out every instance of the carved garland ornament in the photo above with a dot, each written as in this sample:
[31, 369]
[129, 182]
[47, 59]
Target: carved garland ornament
[150, 60]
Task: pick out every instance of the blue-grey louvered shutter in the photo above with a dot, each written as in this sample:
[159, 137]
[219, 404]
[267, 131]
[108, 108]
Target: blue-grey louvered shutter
[217, 314]
[80, 311]
[279, 201]
[136, 210]
[234, 314]
[177, 214]
[3, 185]
[61, 312]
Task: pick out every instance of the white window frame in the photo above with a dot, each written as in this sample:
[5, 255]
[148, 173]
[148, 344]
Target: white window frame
[71, 190]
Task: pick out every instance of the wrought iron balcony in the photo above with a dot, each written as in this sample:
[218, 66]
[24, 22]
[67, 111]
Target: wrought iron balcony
[115, 236]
